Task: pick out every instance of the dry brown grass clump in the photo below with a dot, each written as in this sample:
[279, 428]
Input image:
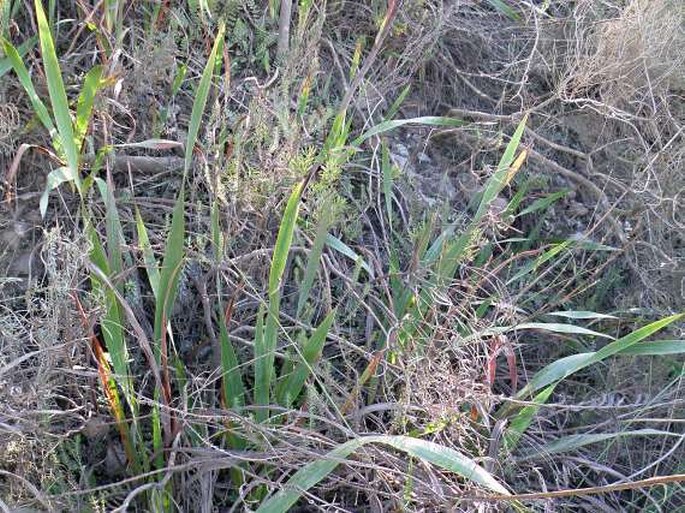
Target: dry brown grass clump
[44, 380]
[632, 55]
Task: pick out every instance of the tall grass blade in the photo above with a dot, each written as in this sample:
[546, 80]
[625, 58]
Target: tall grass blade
[264, 359]
[581, 314]
[456, 251]
[565, 367]
[115, 233]
[314, 259]
[174, 252]
[334, 152]
[284, 240]
[335, 243]
[171, 266]
[149, 260]
[543, 203]
[233, 390]
[157, 434]
[432, 254]
[232, 382]
[112, 395]
[454, 254]
[84, 106]
[574, 442]
[112, 326]
[387, 176]
[6, 63]
[556, 327]
[633, 338]
[520, 423]
[261, 376]
[310, 354]
[386, 126]
[502, 174]
[14, 58]
[449, 252]
[174, 249]
[172, 263]
[200, 101]
[112, 322]
[429, 452]
[395, 107]
[548, 255]
[656, 348]
[55, 178]
[58, 95]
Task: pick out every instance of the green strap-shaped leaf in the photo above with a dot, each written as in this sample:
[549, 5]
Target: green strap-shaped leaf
[335, 243]
[56, 177]
[386, 126]
[58, 95]
[655, 348]
[573, 442]
[200, 101]
[520, 423]
[6, 63]
[15, 60]
[581, 314]
[429, 452]
[84, 106]
[314, 259]
[264, 356]
[148, 255]
[557, 327]
[232, 381]
[564, 367]
[497, 181]
[310, 354]
[174, 253]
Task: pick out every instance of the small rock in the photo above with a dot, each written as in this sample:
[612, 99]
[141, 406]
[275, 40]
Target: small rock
[115, 460]
[498, 205]
[468, 184]
[23, 265]
[577, 209]
[400, 160]
[95, 428]
[423, 158]
[402, 150]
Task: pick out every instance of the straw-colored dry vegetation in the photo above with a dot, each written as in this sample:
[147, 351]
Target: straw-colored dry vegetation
[381, 255]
